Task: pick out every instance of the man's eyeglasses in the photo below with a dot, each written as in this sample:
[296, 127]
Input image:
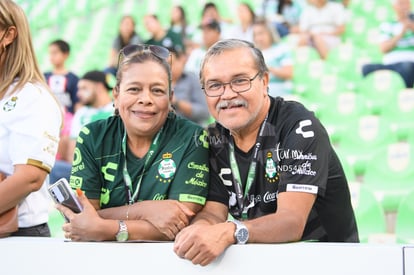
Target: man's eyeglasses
[158, 51]
[237, 85]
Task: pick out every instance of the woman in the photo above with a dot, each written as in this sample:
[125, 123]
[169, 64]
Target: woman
[126, 36]
[30, 121]
[180, 25]
[144, 170]
[244, 28]
[277, 56]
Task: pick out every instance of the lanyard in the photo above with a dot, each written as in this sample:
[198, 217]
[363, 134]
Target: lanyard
[242, 197]
[131, 198]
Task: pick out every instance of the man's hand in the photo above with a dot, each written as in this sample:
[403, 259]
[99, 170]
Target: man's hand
[203, 243]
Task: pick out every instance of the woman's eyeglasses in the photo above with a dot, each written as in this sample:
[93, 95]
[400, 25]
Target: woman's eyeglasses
[158, 51]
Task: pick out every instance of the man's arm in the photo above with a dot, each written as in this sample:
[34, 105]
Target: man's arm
[287, 224]
[210, 234]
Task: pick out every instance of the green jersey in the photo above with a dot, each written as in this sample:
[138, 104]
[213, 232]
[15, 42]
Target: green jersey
[177, 169]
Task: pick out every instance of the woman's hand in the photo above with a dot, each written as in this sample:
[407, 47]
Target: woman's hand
[85, 226]
[168, 216]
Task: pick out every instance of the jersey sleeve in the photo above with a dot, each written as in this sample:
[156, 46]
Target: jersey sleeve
[303, 156]
[34, 126]
[85, 170]
[191, 181]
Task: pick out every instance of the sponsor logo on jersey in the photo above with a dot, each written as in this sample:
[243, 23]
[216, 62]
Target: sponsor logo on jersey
[301, 131]
[302, 188]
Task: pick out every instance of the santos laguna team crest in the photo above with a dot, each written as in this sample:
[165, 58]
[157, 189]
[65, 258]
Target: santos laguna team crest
[270, 168]
[166, 168]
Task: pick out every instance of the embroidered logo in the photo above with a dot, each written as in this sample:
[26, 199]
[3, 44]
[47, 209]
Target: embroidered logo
[10, 104]
[270, 168]
[166, 168]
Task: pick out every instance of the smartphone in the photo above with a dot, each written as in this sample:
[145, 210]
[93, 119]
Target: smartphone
[62, 193]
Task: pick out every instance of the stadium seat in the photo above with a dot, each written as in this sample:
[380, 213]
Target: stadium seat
[340, 112]
[55, 223]
[400, 112]
[390, 174]
[308, 68]
[404, 228]
[380, 87]
[369, 214]
[363, 138]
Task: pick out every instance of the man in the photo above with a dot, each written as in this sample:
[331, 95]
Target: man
[160, 36]
[210, 35]
[188, 99]
[272, 166]
[397, 44]
[93, 93]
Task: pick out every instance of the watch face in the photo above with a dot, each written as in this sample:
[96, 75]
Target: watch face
[122, 236]
[242, 235]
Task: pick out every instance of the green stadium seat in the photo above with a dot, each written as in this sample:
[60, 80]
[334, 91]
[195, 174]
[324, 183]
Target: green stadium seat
[380, 88]
[55, 223]
[400, 111]
[390, 174]
[404, 227]
[369, 214]
[308, 68]
[340, 112]
[363, 137]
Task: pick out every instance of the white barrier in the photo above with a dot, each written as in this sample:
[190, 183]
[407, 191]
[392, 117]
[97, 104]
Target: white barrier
[44, 256]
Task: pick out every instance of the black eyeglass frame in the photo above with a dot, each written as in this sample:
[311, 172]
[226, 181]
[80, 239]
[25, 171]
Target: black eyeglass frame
[223, 86]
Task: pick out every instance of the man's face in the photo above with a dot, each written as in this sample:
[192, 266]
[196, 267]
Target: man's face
[235, 110]
[86, 91]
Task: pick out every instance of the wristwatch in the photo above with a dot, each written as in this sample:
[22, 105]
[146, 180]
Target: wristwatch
[122, 234]
[242, 233]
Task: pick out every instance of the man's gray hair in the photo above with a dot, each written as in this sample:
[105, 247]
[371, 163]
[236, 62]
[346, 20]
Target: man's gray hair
[230, 44]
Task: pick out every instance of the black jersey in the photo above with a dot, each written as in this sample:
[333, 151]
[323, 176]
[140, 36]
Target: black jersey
[295, 156]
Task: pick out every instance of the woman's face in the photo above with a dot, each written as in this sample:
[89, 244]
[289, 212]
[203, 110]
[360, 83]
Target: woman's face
[143, 98]
[261, 36]
[127, 27]
[176, 15]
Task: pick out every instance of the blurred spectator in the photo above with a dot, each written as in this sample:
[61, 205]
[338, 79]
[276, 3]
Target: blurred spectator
[93, 93]
[160, 36]
[277, 57]
[126, 36]
[244, 28]
[180, 25]
[210, 13]
[188, 97]
[210, 34]
[62, 81]
[397, 44]
[284, 14]
[322, 24]
[289, 12]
